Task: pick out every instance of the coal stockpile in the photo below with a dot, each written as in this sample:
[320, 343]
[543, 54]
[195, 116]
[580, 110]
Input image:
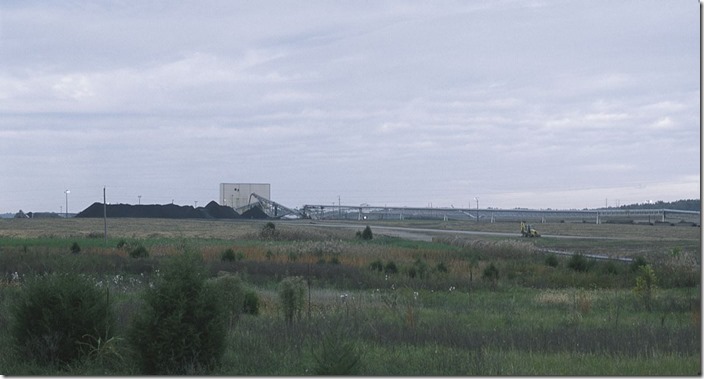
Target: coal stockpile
[255, 213]
[210, 211]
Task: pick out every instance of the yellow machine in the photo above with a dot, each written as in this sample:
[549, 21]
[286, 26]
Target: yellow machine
[527, 230]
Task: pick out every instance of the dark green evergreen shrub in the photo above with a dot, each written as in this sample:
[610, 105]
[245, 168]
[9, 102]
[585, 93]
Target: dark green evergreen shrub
[552, 261]
[334, 261]
[268, 231]
[336, 351]
[228, 255]
[181, 328]
[251, 303]
[441, 267]
[637, 263]
[390, 268]
[578, 263]
[231, 294]
[75, 248]
[377, 265]
[292, 297]
[612, 268]
[420, 269]
[491, 273]
[367, 233]
[57, 317]
[139, 252]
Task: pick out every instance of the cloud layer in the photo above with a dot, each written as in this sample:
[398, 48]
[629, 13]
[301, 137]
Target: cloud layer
[523, 104]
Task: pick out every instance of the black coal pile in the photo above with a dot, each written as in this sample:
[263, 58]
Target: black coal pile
[210, 211]
[255, 213]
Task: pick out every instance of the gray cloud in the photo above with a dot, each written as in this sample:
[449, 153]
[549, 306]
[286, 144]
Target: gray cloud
[530, 104]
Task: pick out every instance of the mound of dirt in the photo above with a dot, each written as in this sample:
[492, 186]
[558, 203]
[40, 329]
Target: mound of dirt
[210, 211]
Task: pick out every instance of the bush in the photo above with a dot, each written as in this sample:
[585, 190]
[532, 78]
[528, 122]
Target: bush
[637, 263]
[491, 273]
[646, 284]
[181, 328]
[367, 233]
[441, 267]
[420, 268]
[228, 256]
[139, 252]
[377, 265]
[578, 263]
[552, 261]
[251, 303]
[231, 295]
[292, 296]
[336, 352]
[268, 231]
[390, 268]
[57, 317]
[75, 248]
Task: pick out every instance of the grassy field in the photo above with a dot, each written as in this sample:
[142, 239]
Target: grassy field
[459, 305]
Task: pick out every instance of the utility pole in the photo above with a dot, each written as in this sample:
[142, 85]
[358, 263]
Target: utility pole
[139, 199]
[105, 217]
[477, 200]
[67, 192]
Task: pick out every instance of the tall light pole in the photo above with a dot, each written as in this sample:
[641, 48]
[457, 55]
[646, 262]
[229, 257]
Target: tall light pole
[139, 199]
[67, 192]
[477, 200]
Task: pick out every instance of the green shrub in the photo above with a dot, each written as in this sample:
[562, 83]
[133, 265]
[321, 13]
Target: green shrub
[637, 263]
[181, 328]
[420, 269]
[228, 255]
[367, 233]
[122, 243]
[491, 273]
[268, 231]
[552, 261]
[578, 263]
[292, 297]
[231, 295]
[75, 248]
[377, 265]
[336, 352]
[56, 317]
[612, 268]
[646, 284]
[251, 303]
[441, 267]
[139, 252]
[390, 268]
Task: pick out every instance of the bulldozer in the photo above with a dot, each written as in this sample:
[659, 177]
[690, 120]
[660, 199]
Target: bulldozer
[527, 230]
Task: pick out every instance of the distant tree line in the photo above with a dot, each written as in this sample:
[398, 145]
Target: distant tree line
[680, 205]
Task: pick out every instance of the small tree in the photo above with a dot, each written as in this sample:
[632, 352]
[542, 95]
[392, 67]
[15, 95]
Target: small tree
[367, 233]
[251, 303]
[268, 231]
[57, 317]
[75, 248]
[578, 263]
[228, 255]
[292, 296]
[336, 352]
[139, 252]
[646, 284]
[181, 327]
[491, 274]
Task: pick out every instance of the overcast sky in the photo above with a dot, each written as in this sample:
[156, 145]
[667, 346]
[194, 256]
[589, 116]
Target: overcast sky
[538, 104]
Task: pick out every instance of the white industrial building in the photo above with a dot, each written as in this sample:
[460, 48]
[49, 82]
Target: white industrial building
[237, 195]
